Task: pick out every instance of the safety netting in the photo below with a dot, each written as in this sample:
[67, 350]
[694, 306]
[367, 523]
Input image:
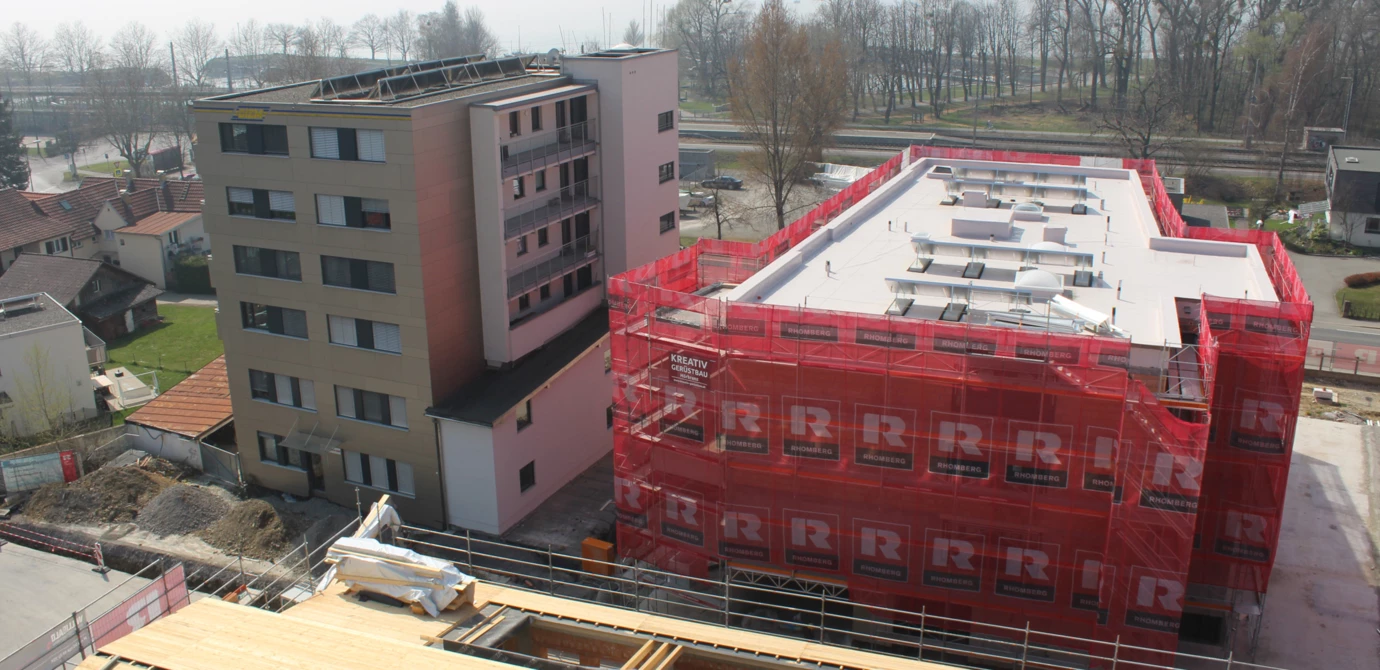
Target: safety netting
[988, 474]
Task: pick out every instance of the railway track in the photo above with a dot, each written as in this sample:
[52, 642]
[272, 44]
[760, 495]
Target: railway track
[854, 138]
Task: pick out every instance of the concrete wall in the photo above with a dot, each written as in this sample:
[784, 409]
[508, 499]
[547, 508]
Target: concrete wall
[143, 255]
[633, 90]
[163, 444]
[60, 364]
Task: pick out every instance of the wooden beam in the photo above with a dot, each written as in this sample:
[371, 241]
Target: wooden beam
[642, 653]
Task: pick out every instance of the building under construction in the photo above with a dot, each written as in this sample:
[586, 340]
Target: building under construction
[977, 386]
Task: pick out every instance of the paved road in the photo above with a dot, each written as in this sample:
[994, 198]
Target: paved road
[1322, 277]
[47, 172]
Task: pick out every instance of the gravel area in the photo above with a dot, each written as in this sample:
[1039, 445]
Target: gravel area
[180, 509]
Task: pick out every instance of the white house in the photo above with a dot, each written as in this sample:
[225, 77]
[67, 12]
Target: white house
[45, 366]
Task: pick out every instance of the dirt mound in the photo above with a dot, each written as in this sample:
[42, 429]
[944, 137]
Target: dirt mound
[251, 528]
[108, 495]
[180, 509]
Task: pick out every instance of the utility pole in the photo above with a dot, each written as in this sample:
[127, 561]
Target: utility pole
[172, 56]
[230, 82]
[1346, 115]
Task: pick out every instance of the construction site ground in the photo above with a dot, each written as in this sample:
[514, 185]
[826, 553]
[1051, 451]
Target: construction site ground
[1323, 606]
[1358, 399]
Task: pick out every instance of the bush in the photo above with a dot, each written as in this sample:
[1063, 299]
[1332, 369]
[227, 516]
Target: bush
[1363, 280]
[192, 274]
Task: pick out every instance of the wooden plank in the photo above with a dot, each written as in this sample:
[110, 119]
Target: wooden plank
[670, 661]
[642, 653]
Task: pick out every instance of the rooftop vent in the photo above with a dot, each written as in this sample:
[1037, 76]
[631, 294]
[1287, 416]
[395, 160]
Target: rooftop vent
[1082, 278]
[65, 205]
[954, 311]
[973, 270]
[1352, 159]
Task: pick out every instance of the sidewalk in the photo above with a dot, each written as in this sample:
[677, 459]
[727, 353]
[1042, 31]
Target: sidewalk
[188, 300]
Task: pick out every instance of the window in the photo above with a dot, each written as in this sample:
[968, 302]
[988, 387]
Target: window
[666, 172]
[352, 212]
[608, 416]
[527, 476]
[378, 472]
[381, 408]
[272, 451]
[665, 121]
[545, 292]
[95, 286]
[536, 119]
[608, 360]
[276, 320]
[519, 189]
[522, 245]
[543, 238]
[357, 274]
[56, 246]
[282, 389]
[268, 263]
[1373, 225]
[514, 124]
[524, 302]
[668, 221]
[524, 414]
[347, 144]
[365, 334]
[246, 138]
[262, 203]
[539, 179]
[174, 237]
[109, 235]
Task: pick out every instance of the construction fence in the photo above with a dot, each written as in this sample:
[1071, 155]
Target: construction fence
[969, 472]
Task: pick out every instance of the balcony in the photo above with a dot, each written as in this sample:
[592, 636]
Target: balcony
[525, 154]
[582, 251]
[550, 207]
[95, 348]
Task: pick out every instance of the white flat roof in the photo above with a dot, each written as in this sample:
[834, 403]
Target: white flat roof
[872, 249]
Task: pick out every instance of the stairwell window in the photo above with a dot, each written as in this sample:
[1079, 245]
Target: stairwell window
[536, 119]
[276, 320]
[519, 188]
[365, 334]
[348, 144]
[352, 212]
[282, 389]
[524, 414]
[527, 478]
[380, 408]
[665, 121]
[668, 222]
[379, 473]
[666, 172]
[271, 263]
[357, 274]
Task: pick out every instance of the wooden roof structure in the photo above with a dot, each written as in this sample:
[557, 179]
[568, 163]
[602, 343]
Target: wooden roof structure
[195, 408]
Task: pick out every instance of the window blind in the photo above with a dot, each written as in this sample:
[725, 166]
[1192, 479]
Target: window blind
[243, 196]
[374, 205]
[397, 410]
[343, 331]
[336, 270]
[308, 389]
[282, 201]
[345, 401]
[405, 482]
[325, 143]
[370, 145]
[380, 276]
[387, 337]
[378, 471]
[330, 210]
[294, 322]
[353, 472]
[283, 386]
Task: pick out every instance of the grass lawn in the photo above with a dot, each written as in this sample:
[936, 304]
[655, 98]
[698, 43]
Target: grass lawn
[1365, 302]
[183, 343]
[106, 168]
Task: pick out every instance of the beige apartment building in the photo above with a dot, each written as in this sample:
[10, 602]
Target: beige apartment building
[411, 267]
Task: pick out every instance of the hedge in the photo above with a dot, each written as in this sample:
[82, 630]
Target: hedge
[1362, 280]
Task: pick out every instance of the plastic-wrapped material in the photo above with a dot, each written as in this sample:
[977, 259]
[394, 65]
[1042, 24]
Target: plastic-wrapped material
[396, 572]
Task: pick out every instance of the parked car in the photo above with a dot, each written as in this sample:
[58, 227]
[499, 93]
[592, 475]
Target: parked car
[723, 181]
[701, 199]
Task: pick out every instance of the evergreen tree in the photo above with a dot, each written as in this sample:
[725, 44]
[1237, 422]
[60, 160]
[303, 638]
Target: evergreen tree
[14, 164]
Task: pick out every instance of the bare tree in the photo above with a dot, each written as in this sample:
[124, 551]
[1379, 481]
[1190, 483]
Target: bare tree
[475, 36]
[709, 34]
[370, 33]
[786, 97]
[402, 33]
[43, 406]
[196, 44]
[247, 45]
[25, 52]
[281, 35]
[1149, 120]
[128, 115]
[335, 47]
[78, 50]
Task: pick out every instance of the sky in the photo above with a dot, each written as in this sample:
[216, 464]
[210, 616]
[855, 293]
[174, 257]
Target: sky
[539, 24]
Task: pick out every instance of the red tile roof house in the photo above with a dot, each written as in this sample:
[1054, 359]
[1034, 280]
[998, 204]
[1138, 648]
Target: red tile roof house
[136, 222]
[109, 301]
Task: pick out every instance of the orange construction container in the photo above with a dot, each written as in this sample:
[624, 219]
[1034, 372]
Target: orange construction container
[598, 555]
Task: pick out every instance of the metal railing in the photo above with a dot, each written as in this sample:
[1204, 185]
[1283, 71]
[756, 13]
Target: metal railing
[527, 153]
[578, 252]
[550, 207]
[729, 602]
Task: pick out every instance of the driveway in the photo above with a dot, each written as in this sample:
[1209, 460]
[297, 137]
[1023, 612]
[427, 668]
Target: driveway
[1322, 277]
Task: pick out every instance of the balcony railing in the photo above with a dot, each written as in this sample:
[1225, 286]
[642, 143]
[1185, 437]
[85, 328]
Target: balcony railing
[525, 154]
[549, 208]
[95, 348]
[573, 255]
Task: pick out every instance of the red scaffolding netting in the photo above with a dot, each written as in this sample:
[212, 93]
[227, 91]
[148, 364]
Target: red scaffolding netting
[1005, 476]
